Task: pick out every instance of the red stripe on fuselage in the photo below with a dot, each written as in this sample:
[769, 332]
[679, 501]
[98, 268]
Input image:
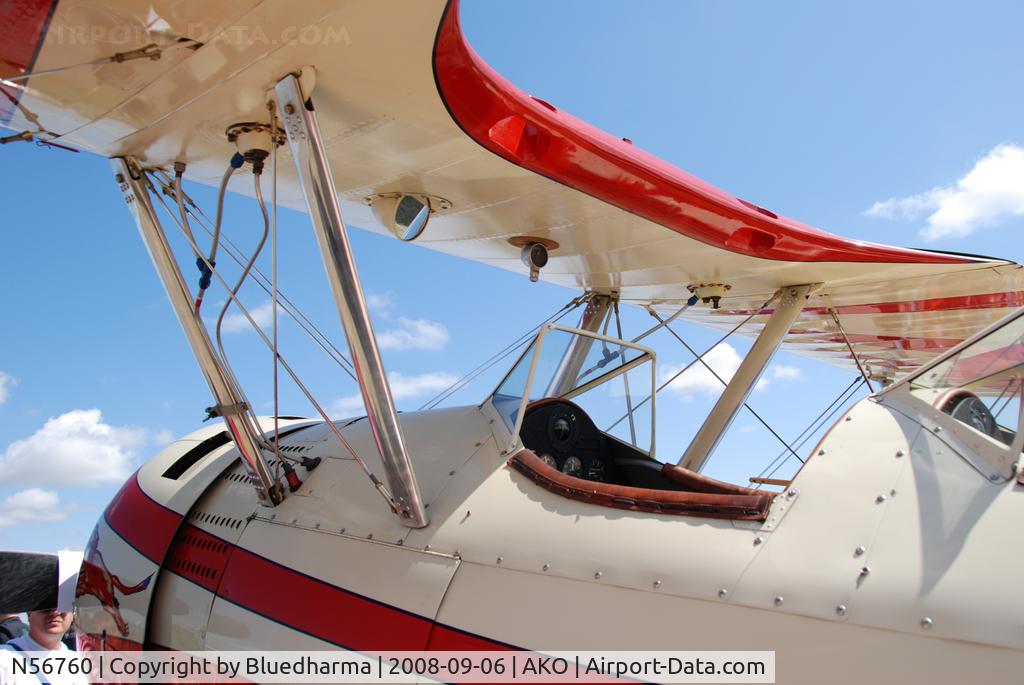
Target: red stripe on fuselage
[142, 522]
[281, 594]
[318, 608]
[24, 26]
[534, 135]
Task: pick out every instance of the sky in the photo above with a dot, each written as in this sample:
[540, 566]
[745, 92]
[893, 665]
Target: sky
[891, 122]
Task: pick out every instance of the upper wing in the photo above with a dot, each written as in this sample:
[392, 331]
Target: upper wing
[406, 105]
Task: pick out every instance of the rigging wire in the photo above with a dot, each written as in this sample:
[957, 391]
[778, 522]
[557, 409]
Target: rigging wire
[152, 51]
[724, 382]
[503, 353]
[816, 424]
[1009, 397]
[686, 368]
[824, 421]
[290, 308]
[856, 359]
[378, 485]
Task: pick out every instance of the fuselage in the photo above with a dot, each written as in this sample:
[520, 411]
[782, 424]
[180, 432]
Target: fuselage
[884, 553]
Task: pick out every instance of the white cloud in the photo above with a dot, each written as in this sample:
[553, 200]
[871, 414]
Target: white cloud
[75, 448]
[989, 192]
[784, 372]
[779, 372]
[31, 506]
[235, 321]
[7, 382]
[381, 302]
[414, 334]
[724, 359]
[163, 437]
[402, 388]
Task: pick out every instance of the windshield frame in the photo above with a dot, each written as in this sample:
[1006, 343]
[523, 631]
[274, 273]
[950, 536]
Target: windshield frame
[991, 458]
[535, 347]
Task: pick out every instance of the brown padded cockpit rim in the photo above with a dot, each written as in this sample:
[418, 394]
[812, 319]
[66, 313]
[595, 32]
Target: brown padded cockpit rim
[737, 503]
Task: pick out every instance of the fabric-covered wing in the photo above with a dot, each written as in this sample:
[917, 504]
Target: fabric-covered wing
[406, 105]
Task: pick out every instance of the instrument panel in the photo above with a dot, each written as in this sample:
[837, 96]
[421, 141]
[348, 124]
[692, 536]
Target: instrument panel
[566, 439]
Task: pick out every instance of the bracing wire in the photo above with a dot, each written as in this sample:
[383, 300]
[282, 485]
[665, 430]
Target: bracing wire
[291, 309]
[816, 424]
[151, 51]
[824, 421]
[698, 358]
[725, 383]
[378, 485]
[502, 354]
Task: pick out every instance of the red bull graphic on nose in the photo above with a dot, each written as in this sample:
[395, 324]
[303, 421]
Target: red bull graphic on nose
[96, 580]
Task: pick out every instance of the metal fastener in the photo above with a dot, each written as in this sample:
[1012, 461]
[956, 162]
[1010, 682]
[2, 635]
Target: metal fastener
[119, 178]
[289, 108]
[723, 593]
[758, 540]
[849, 418]
[793, 492]
[937, 429]
[545, 567]
[458, 554]
[880, 499]
[865, 570]
[597, 575]
[369, 536]
[500, 559]
[841, 610]
[860, 550]
[995, 478]
[927, 623]
[821, 451]
[426, 548]
[342, 531]
[779, 600]
[657, 583]
[900, 453]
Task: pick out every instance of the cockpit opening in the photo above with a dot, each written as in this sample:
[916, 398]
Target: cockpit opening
[580, 408]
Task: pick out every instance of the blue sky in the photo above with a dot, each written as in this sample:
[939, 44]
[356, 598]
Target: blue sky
[892, 122]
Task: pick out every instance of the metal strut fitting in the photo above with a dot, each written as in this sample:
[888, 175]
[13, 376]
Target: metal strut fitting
[229, 405]
[569, 367]
[314, 173]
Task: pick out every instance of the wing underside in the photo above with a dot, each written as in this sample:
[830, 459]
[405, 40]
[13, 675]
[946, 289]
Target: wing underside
[406, 105]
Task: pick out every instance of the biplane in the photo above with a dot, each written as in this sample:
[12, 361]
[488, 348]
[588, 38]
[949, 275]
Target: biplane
[540, 517]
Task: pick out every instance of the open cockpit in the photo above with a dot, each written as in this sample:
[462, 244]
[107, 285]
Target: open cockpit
[579, 409]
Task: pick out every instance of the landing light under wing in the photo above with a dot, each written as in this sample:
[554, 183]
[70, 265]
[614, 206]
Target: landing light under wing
[407, 107]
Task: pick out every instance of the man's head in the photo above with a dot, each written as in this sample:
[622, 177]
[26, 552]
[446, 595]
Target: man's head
[47, 627]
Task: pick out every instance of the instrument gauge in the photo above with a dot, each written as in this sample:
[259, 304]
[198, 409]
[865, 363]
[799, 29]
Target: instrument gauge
[573, 466]
[549, 460]
[561, 429]
[595, 471]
